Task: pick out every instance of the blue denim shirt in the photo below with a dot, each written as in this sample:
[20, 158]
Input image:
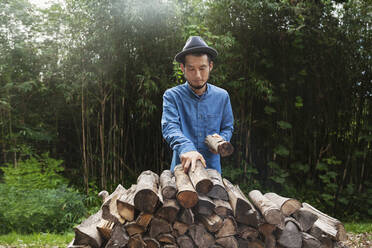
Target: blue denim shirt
[188, 118]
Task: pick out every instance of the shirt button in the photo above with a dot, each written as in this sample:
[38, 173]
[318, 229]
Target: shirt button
[200, 134]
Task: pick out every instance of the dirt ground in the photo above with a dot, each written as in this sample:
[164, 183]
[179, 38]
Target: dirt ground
[358, 240]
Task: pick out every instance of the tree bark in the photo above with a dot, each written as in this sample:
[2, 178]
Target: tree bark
[146, 196]
[218, 190]
[286, 205]
[213, 222]
[219, 145]
[169, 210]
[223, 208]
[186, 195]
[125, 204]
[200, 178]
[168, 185]
[87, 234]
[109, 207]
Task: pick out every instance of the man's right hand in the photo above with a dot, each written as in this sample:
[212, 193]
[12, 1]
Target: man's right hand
[189, 159]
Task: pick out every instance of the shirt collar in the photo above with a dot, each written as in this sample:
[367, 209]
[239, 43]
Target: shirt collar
[193, 94]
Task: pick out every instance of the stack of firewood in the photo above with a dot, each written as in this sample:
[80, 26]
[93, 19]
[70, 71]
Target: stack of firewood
[200, 209]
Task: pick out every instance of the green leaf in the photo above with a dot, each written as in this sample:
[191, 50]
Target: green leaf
[269, 110]
[284, 125]
[281, 150]
[321, 166]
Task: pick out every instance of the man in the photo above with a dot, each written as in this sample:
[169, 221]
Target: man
[196, 109]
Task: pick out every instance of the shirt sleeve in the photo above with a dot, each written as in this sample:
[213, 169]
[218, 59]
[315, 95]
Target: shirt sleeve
[171, 127]
[227, 124]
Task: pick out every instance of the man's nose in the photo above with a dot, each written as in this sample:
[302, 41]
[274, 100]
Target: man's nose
[198, 74]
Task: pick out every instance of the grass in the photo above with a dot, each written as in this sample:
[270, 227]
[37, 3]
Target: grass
[358, 227]
[36, 240]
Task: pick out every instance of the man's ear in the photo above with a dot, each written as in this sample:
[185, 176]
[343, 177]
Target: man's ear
[210, 66]
[182, 67]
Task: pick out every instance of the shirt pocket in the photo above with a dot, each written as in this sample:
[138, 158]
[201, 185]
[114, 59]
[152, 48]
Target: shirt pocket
[213, 124]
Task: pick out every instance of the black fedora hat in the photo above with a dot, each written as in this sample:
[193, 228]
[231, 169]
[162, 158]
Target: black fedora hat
[195, 44]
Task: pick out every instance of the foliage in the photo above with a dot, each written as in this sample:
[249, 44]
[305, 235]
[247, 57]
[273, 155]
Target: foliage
[36, 240]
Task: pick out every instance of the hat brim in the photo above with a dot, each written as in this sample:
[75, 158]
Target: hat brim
[213, 53]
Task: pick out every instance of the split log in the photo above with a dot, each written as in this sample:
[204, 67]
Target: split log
[87, 234]
[256, 243]
[166, 238]
[170, 246]
[200, 179]
[71, 245]
[327, 224]
[119, 237]
[133, 228]
[200, 236]
[158, 226]
[268, 209]
[180, 227]
[186, 216]
[105, 228]
[223, 208]
[205, 205]
[228, 242]
[218, 145]
[185, 241]
[169, 210]
[218, 190]
[308, 241]
[286, 205]
[186, 194]
[247, 232]
[243, 210]
[305, 218]
[151, 242]
[291, 236]
[267, 231]
[125, 204]
[168, 185]
[212, 222]
[146, 196]
[103, 194]
[109, 207]
[136, 241]
[228, 228]
[144, 219]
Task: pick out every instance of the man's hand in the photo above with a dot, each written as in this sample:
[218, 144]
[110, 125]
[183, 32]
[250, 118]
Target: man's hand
[189, 159]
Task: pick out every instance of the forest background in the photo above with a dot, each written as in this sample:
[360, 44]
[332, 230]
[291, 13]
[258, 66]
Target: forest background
[81, 86]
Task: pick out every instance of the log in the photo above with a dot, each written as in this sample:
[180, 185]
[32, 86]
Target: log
[309, 241]
[151, 242]
[146, 196]
[186, 194]
[166, 238]
[125, 204]
[218, 145]
[223, 208]
[144, 219]
[133, 228]
[205, 205]
[268, 209]
[186, 216]
[228, 228]
[228, 242]
[247, 232]
[109, 207]
[305, 218]
[180, 227]
[267, 231]
[87, 234]
[218, 190]
[291, 236]
[212, 222]
[200, 179]
[71, 245]
[200, 236]
[243, 210]
[286, 205]
[169, 210]
[103, 194]
[105, 228]
[158, 226]
[119, 237]
[327, 224]
[256, 243]
[168, 185]
[185, 241]
[136, 241]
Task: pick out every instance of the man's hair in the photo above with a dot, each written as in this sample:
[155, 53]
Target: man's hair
[183, 58]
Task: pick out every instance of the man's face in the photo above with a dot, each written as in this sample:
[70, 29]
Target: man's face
[196, 70]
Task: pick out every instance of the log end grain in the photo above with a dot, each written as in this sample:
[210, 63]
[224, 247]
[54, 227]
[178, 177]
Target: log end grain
[187, 199]
[204, 186]
[146, 200]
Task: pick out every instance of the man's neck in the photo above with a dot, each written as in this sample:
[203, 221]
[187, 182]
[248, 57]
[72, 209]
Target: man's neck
[199, 92]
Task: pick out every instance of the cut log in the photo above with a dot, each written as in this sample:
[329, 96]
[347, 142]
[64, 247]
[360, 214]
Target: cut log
[168, 185]
[151, 242]
[267, 231]
[166, 238]
[186, 216]
[291, 236]
[327, 224]
[180, 227]
[286, 205]
[170, 246]
[103, 194]
[212, 222]
[119, 237]
[218, 145]
[200, 179]
[218, 190]
[186, 194]
[136, 241]
[168, 210]
[268, 209]
[158, 226]
[200, 236]
[243, 210]
[105, 228]
[185, 241]
[133, 228]
[305, 218]
[205, 205]
[228, 242]
[308, 241]
[71, 245]
[228, 228]
[144, 219]
[125, 204]
[109, 207]
[256, 243]
[223, 208]
[247, 232]
[146, 196]
[87, 234]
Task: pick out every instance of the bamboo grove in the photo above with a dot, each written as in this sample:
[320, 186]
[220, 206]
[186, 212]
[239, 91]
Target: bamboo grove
[83, 80]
